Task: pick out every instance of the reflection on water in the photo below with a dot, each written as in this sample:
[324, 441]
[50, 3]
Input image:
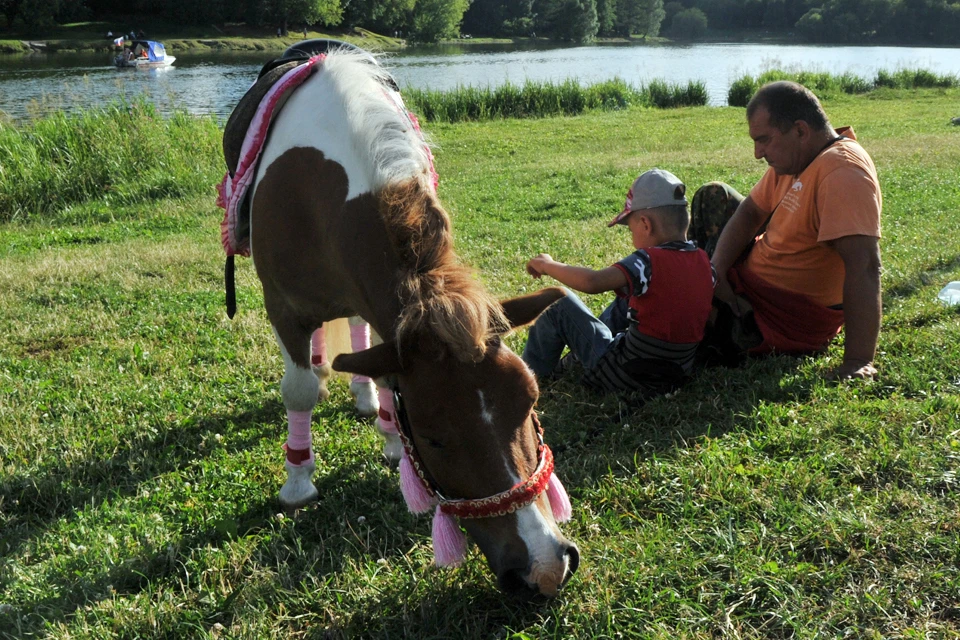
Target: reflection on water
[211, 83]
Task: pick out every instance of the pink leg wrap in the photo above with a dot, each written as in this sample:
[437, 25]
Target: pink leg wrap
[299, 440]
[385, 418]
[360, 341]
[319, 342]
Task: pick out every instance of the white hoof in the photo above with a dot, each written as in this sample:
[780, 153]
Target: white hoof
[366, 394]
[392, 447]
[323, 372]
[299, 490]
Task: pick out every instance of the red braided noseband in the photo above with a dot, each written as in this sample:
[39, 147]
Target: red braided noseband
[501, 504]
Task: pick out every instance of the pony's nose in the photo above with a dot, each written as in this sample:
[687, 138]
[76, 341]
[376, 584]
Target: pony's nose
[517, 579]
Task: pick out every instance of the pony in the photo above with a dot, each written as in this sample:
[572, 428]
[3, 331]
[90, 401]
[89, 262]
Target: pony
[345, 221]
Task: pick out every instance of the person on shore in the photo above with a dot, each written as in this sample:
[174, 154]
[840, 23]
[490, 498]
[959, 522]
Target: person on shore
[799, 257]
[647, 338]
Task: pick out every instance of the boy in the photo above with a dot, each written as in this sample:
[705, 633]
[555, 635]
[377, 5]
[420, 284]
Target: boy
[647, 338]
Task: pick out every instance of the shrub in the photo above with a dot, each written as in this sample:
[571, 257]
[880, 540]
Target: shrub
[741, 91]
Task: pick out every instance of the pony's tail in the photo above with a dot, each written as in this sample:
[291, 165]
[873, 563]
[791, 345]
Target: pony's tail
[440, 295]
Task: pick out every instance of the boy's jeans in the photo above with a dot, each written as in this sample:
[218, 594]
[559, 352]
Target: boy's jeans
[568, 322]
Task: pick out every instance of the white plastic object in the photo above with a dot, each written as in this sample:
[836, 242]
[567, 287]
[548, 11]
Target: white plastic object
[950, 294]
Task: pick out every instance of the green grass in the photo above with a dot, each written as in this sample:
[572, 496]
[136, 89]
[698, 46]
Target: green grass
[539, 99]
[826, 84]
[140, 430]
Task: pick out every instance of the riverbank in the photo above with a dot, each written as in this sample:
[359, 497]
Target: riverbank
[222, 41]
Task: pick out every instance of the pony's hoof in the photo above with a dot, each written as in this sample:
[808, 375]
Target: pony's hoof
[366, 394]
[299, 490]
[392, 448]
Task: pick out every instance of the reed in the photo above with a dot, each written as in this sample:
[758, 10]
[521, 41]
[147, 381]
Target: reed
[124, 153]
[542, 99]
[825, 84]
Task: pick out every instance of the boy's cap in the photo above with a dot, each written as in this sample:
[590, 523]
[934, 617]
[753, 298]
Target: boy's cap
[653, 188]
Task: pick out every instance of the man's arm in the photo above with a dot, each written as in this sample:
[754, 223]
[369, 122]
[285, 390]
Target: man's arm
[583, 279]
[736, 236]
[862, 305]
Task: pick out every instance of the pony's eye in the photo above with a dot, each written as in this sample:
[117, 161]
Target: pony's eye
[436, 444]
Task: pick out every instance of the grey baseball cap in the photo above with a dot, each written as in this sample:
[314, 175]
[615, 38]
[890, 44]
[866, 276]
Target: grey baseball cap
[651, 189]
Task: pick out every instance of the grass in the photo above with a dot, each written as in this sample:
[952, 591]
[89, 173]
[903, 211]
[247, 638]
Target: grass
[826, 84]
[539, 99]
[140, 429]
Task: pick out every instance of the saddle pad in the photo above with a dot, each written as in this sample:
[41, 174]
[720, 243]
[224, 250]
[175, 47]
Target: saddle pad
[268, 94]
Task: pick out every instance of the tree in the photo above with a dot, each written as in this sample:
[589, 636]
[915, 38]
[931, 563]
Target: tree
[433, 20]
[651, 16]
[689, 24]
[499, 17]
[606, 17]
[569, 20]
[384, 16]
[328, 12]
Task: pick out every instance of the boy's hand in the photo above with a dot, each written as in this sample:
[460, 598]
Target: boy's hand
[537, 265]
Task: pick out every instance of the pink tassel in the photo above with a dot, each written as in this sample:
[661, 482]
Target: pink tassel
[449, 544]
[559, 501]
[414, 493]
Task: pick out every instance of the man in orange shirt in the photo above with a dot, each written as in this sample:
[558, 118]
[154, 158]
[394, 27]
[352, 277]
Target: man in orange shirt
[815, 265]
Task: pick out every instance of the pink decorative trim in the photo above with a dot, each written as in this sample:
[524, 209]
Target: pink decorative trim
[559, 500]
[318, 343]
[231, 190]
[414, 493]
[449, 543]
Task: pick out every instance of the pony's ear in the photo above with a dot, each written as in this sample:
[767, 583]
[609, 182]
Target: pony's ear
[375, 362]
[525, 309]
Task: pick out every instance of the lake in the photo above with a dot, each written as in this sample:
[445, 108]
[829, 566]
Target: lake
[212, 83]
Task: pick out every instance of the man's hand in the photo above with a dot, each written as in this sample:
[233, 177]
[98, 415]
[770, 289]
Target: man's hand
[854, 369]
[537, 265]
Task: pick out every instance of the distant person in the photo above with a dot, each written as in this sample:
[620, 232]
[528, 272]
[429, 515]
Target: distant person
[647, 339]
[304, 32]
[141, 35]
[799, 257]
[278, 32]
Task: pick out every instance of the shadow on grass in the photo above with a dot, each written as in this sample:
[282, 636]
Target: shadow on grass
[610, 432]
[56, 492]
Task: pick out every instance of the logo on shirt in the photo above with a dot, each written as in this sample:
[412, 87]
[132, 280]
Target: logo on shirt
[797, 186]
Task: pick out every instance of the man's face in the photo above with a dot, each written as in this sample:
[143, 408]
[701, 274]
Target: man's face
[782, 151]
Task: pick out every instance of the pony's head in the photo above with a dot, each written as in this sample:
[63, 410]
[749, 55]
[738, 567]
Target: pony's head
[472, 424]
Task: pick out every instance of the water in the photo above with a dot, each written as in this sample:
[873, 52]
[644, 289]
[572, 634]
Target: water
[212, 83]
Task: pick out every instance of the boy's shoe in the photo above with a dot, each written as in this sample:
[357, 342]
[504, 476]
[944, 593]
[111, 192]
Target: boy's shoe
[713, 205]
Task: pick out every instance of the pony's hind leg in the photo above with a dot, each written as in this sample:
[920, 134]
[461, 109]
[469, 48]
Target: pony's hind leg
[319, 361]
[300, 389]
[362, 387]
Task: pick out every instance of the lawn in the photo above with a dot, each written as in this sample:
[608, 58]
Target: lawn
[140, 429]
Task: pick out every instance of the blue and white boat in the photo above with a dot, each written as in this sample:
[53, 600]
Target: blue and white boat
[143, 54]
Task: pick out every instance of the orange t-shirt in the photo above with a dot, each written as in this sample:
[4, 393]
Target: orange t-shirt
[837, 195]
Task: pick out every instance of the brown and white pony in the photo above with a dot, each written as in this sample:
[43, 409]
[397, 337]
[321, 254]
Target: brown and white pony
[345, 222]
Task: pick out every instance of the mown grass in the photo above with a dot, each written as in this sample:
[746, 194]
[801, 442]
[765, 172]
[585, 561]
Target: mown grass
[541, 99]
[825, 84]
[140, 429]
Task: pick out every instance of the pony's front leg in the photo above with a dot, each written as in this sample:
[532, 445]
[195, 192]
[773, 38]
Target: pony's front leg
[300, 389]
[362, 387]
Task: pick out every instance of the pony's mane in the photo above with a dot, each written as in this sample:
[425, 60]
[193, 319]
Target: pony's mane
[440, 297]
[381, 129]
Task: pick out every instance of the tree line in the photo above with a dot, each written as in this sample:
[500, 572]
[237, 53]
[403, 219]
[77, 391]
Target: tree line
[578, 21]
